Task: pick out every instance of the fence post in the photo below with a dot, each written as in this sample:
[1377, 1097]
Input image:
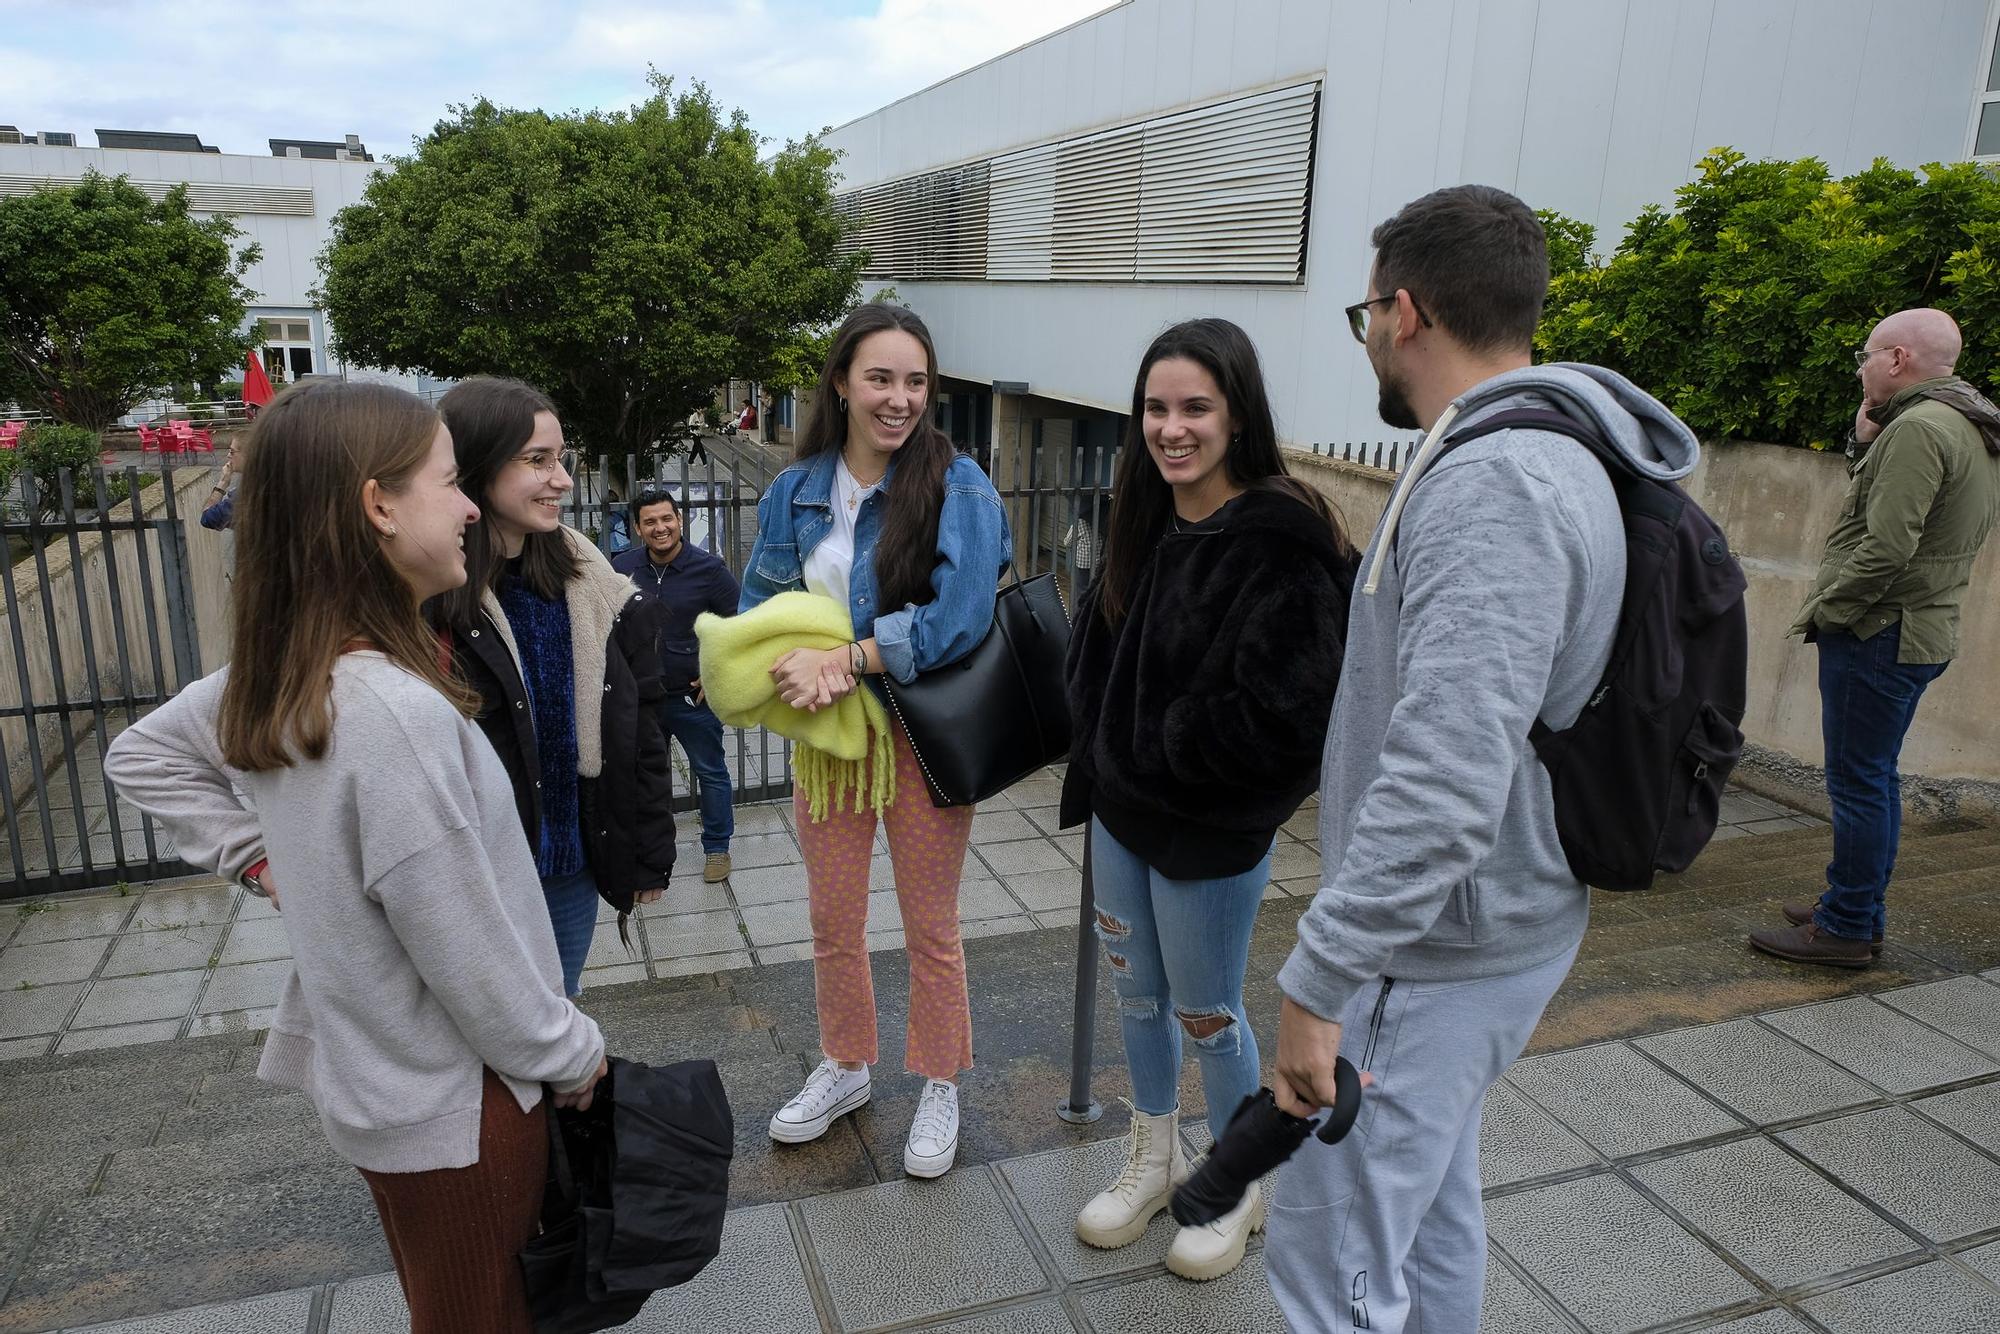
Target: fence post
[178, 586]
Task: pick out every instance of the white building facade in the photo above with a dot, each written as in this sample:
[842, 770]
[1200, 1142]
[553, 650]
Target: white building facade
[1050, 211]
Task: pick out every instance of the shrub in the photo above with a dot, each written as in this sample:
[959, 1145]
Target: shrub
[46, 449]
[1741, 306]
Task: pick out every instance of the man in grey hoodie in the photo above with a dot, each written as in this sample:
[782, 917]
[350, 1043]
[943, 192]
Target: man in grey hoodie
[1447, 914]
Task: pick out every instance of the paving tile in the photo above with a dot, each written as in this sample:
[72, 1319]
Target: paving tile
[1239, 1302]
[757, 1282]
[1930, 1299]
[1071, 845]
[118, 1035]
[1511, 1306]
[1002, 826]
[884, 940]
[1047, 891]
[72, 919]
[1021, 858]
[1066, 917]
[989, 898]
[1785, 1221]
[1888, 1049]
[777, 923]
[372, 1305]
[995, 926]
[790, 952]
[231, 1021]
[1046, 1316]
[689, 965]
[692, 933]
[1292, 861]
[209, 904]
[245, 986]
[1609, 1256]
[1760, 1075]
[256, 908]
[1619, 1102]
[613, 975]
[16, 1049]
[913, 1248]
[687, 896]
[767, 818]
[1054, 1186]
[125, 1000]
[259, 940]
[1775, 1321]
[607, 949]
[279, 1313]
[1922, 1175]
[758, 850]
[51, 962]
[1964, 1007]
[163, 951]
[1986, 1259]
[1973, 1112]
[1518, 1141]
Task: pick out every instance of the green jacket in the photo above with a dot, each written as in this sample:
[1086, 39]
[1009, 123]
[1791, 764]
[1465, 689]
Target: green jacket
[1920, 502]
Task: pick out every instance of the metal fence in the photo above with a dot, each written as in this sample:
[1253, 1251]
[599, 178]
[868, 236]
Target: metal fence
[1388, 455]
[106, 578]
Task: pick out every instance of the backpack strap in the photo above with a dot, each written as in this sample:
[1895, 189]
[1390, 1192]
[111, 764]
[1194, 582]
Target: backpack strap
[1541, 419]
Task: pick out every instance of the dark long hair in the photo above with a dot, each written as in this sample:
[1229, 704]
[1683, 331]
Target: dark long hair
[1142, 502]
[906, 554]
[313, 574]
[490, 418]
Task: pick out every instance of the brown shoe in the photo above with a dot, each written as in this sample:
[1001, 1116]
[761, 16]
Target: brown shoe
[1801, 914]
[1809, 944]
[715, 869]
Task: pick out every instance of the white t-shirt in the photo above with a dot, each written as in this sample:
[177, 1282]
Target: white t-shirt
[829, 569]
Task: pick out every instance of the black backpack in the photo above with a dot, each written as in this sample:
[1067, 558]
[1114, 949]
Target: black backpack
[1638, 777]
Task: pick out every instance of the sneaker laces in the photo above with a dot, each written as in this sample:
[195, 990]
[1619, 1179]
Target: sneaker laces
[934, 1111]
[819, 1087]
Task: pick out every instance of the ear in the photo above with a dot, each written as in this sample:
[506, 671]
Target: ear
[840, 384]
[1407, 321]
[375, 503]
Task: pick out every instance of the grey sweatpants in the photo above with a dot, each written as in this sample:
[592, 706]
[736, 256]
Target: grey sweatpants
[1384, 1231]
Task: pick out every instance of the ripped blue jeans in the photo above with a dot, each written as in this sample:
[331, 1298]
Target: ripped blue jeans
[1178, 950]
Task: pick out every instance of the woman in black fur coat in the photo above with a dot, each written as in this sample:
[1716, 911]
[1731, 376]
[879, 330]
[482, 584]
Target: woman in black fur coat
[1201, 675]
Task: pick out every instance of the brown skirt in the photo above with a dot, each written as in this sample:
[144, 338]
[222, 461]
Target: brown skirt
[457, 1233]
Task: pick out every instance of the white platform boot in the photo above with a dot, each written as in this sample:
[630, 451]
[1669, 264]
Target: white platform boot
[1155, 1163]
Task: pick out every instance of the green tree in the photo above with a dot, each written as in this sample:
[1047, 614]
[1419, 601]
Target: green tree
[106, 296]
[626, 263]
[1570, 242]
[1741, 306]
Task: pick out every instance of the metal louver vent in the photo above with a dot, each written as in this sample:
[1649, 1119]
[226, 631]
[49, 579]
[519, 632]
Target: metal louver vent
[1217, 194]
[203, 196]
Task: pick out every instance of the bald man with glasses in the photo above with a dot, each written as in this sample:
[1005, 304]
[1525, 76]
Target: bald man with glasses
[1923, 494]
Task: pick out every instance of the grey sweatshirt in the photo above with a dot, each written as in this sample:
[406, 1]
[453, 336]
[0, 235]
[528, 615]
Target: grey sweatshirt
[1488, 597]
[420, 939]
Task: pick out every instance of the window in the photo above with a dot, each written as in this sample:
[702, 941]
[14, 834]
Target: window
[1985, 130]
[288, 348]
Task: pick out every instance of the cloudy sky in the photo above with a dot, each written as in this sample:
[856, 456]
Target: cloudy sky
[239, 73]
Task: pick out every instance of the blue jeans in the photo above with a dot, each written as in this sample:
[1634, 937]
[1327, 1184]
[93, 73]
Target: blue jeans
[1178, 952]
[1867, 701]
[699, 731]
[573, 913]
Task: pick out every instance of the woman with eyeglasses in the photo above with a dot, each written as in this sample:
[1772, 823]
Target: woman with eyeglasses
[1201, 678]
[563, 652]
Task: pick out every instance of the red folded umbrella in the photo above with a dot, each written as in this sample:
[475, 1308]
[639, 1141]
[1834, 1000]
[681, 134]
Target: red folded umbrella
[256, 384]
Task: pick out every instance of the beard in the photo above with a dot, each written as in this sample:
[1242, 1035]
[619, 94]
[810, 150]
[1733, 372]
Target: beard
[1392, 404]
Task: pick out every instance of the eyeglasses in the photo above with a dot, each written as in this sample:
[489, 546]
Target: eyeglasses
[546, 461]
[1861, 355]
[1357, 315]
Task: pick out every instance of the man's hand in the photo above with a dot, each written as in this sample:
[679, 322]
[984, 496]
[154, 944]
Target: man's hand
[270, 888]
[648, 896]
[1307, 1045]
[1865, 429]
[581, 1098]
[699, 694]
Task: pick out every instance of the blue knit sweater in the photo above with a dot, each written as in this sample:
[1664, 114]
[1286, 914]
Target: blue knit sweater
[548, 670]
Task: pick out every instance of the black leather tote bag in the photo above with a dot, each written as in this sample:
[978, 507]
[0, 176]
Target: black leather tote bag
[983, 723]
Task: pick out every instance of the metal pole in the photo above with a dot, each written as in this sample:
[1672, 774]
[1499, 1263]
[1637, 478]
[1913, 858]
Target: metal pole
[1080, 1109]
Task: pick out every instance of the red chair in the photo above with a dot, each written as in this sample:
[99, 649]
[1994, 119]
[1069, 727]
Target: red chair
[201, 438]
[149, 440]
[10, 434]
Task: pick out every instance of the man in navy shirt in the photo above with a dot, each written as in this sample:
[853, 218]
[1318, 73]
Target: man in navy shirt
[688, 581]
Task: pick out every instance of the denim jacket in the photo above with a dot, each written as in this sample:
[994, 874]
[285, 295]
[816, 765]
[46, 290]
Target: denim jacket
[974, 550]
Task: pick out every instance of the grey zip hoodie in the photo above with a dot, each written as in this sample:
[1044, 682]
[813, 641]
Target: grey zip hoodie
[1488, 597]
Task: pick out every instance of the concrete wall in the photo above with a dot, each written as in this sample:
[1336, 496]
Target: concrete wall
[1592, 107]
[78, 594]
[1777, 505]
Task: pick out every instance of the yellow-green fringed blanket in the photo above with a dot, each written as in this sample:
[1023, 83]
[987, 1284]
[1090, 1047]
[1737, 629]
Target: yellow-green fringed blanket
[834, 744]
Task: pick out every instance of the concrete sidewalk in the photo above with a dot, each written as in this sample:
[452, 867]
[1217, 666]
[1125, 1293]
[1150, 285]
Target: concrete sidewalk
[1823, 1168]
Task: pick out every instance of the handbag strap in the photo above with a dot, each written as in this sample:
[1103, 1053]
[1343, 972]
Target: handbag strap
[1013, 652]
[559, 1164]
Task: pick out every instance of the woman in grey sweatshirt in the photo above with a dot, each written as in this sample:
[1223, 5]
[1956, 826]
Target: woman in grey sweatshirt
[335, 759]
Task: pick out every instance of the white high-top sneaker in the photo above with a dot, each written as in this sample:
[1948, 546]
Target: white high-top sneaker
[1155, 1162]
[830, 1093]
[1213, 1249]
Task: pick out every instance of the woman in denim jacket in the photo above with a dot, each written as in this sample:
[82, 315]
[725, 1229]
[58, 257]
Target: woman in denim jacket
[880, 513]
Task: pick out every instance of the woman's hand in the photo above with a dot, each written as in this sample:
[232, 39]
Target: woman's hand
[648, 896]
[812, 680]
[580, 1099]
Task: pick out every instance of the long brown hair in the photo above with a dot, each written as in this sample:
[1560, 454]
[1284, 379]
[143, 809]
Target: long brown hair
[490, 418]
[311, 574]
[906, 553]
[1141, 500]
